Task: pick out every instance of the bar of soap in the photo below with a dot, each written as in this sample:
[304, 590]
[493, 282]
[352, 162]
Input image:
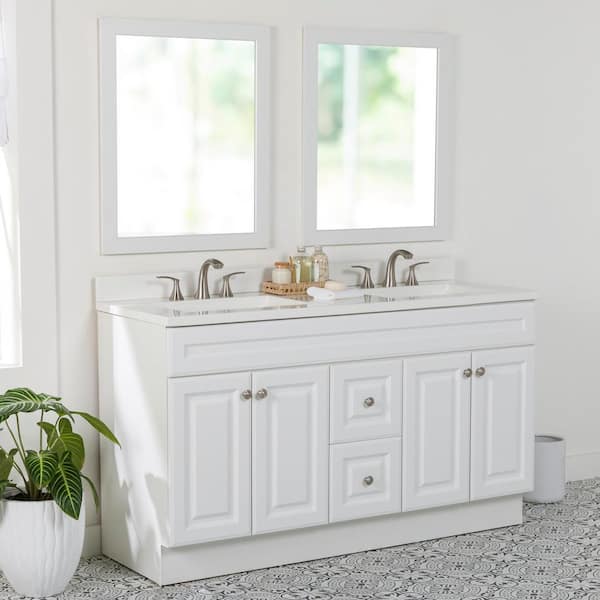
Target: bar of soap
[335, 286]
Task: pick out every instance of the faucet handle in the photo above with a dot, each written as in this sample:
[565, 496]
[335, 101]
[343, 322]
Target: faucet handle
[366, 281]
[227, 293]
[176, 294]
[412, 277]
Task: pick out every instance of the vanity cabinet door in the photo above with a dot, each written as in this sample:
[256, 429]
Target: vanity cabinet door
[209, 457]
[290, 437]
[502, 422]
[435, 456]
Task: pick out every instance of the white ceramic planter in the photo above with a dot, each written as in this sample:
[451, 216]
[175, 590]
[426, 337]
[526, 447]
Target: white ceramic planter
[40, 546]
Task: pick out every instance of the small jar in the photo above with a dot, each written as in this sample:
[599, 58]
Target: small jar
[281, 273]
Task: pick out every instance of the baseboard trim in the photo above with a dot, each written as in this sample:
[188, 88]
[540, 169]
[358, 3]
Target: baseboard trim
[583, 466]
[92, 543]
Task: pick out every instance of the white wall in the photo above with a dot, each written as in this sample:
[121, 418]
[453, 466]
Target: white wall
[528, 91]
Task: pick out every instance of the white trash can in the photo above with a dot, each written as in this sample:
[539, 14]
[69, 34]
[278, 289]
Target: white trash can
[549, 470]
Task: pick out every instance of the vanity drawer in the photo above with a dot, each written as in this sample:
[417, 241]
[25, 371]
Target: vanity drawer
[366, 400]
[364, 479]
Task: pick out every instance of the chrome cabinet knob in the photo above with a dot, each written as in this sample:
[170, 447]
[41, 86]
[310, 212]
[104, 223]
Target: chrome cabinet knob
[368, 480]
[468, 373]
[480, 372]
[246, 395]
[368, 402]
[261, 394]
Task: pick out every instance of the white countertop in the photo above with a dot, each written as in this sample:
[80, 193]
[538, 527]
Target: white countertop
[261, 307]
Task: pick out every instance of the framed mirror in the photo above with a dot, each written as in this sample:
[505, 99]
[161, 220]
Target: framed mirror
[377, 140]
[185, 136]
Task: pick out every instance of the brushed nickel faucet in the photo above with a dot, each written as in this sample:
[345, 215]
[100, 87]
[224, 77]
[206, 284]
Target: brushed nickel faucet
[390, 268]
[412, 276]
[227, 292]
[366, 281]
[202, 292]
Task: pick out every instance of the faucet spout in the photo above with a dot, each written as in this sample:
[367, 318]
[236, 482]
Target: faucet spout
[202, 292]
[390, 268]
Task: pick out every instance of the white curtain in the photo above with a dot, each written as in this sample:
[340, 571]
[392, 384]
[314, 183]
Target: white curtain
[10, 317]
[3, 86]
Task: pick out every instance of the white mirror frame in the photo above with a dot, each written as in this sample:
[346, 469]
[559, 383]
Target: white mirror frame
[444, 135]
[109, 29]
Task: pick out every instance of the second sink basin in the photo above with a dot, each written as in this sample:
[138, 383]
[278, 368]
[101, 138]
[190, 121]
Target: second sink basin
[426, 290]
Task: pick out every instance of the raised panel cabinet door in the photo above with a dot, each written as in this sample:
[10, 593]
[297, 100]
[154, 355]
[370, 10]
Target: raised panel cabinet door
[366, 400]
[290, 442]
[209, 457]
[502, 428]
[435, 461]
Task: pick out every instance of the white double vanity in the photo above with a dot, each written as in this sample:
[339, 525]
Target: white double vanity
[259, 431]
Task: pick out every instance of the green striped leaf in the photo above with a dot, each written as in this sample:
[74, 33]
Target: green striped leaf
[64, 425]
[66, 487]
[24, 400]
[52, 438]
[99, 426]
[93, 489]
[73, 443]
[41, 467]
[6, 463]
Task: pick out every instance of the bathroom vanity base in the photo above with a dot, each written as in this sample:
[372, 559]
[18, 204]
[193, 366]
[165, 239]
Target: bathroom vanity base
[176, 565]
[378, 430]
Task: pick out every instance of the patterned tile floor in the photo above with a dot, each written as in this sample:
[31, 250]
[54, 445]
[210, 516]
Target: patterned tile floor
[554, 555]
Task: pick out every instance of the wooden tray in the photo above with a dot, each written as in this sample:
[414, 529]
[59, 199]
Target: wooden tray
[287, 289]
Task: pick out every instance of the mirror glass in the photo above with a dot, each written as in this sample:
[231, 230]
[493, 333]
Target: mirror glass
[185, 136]
[376, 136]
[376, 114]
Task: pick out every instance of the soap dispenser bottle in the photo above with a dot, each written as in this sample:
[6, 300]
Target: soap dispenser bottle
[320, 266]
[302, 263]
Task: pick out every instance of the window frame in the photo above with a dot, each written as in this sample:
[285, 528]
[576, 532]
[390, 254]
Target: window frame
[31, 128]
[444, 43]
[111, 243]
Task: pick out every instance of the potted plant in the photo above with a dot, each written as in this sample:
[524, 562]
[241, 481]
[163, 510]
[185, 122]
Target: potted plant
[42, 518]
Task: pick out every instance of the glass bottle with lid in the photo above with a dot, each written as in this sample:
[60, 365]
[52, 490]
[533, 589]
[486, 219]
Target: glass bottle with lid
[302, 266]
[320, 266]
[281, 273]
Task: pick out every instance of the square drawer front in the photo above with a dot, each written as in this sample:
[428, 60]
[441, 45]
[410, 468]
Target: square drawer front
[366, 400]
[364, 479]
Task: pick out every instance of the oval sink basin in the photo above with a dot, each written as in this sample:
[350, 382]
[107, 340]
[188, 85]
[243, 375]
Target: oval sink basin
[237, 303]
[426, 290]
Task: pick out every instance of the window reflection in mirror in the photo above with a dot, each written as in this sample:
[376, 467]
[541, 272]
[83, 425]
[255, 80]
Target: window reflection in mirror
[185, 135]
[377, 129]
[185, 141]
[376, 136]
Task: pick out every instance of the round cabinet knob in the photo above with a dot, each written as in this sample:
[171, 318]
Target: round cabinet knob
[480, 372]
[261, 394]
[368, 402]
[467, 373]
[368, 480]
[246, 395]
